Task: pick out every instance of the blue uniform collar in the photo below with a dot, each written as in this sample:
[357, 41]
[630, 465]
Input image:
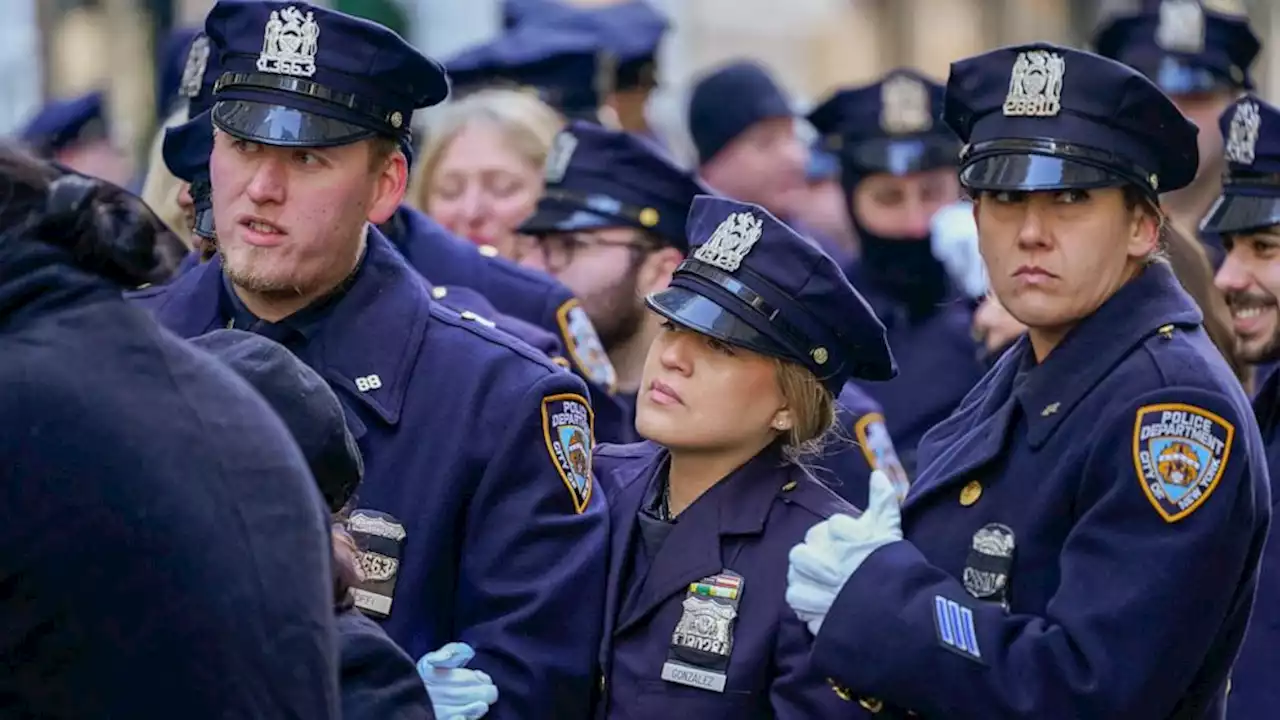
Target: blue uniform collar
[298, 327]
[1152, 302]
[373, 329]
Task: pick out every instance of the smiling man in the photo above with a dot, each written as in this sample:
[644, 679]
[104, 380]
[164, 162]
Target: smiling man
[1247, 216]
[476, 519]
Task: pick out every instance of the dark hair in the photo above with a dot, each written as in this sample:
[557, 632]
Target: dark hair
[107, 230]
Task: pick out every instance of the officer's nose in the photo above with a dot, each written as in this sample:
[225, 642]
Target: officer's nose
[473, 206]
[267, 184]
[1234, 275]
[1032, 233]
[917, 220]
[677, 352]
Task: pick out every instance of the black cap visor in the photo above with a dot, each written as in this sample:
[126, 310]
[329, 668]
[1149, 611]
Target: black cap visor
[557, 216]
[904, 156]
[1032, 173]
[691, 310]
[272, 124]
[1176, 77]
[1241, 213]
[204, 224]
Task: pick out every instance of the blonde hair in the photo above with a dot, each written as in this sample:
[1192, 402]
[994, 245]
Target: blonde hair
[160, 189]
[813, 410]
[528, 124]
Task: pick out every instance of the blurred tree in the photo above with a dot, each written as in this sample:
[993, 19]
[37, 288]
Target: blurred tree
[386, 12]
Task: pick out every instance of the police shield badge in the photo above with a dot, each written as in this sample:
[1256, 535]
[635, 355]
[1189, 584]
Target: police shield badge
[1180, 452]
[380, 539]
[877, 447]
[567, 428]
[986, 572]
[703, 639]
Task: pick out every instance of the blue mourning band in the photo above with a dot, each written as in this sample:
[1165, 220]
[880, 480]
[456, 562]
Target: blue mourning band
[307, 88]
[1111, 163]
[601, 204]
[752, 299]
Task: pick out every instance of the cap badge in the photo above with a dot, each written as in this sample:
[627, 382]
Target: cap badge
[1181, 27]
[289, 43]
[1242, 137]
[558, 157]
[904, 106]
[731, 242]
[193, 71]
[1035, 85]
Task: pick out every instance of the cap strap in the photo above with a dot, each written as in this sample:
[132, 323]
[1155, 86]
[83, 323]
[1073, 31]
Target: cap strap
[394, 119]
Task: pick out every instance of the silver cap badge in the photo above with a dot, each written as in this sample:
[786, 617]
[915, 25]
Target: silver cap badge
[731, 242]
[290, 43]
[1242, 136]
[1181, 27]
[558, 157]
[904, 106]
[193, 71]
[1035, 85]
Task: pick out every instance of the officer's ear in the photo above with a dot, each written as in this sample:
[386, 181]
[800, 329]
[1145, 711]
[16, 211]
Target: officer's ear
[390, 170]
[656, 271]
[1145, 222]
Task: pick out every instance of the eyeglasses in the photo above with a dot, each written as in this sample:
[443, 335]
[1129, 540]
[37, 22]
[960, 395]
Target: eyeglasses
[560, 249]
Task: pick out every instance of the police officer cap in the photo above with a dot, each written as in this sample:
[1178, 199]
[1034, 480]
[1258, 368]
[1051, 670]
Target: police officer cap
[630, 31]
[600, 178]
[299, 75]
[890, 126]
[303, 400]
[186, 149]
[64, 123]
[1250, 198]
[565, 68]
[755, 283]
[1047, 117]
[1184, 46]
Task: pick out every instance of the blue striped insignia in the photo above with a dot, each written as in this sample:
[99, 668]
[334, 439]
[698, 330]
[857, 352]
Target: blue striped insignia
[955, 627]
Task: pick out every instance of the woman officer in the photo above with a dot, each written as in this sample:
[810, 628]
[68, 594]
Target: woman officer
[1082, 540]
[761, 331]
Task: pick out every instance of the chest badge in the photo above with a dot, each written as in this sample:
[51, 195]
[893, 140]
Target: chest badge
[380, 539]
[703, 639]
[986, 572]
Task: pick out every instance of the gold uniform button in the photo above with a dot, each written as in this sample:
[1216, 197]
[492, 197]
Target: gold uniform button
[488, 251]
[871, 705]
[789, 486]
[970, 493]
[841, 691]
[439, 292]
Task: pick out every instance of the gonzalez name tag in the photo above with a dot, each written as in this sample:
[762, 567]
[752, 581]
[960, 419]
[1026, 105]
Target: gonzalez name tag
[703, 639]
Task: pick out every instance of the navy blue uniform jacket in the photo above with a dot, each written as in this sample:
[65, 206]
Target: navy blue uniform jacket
[526, 294]
[938, 364]
[164, 552]
[464, 434]
[1255, 680]
[1124, 485]
[747, 523]
[378, 680]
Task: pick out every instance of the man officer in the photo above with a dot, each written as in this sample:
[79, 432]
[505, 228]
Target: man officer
[477, 515]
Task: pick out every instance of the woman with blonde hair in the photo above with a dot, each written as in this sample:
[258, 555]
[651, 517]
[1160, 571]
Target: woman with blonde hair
[481, 170]
[762, 331]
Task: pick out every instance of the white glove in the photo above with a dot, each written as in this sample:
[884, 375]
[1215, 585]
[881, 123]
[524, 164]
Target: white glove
[456, 692]
[835, 548]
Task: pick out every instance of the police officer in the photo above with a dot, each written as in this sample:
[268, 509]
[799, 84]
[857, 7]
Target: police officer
[477, 515]
[610, 225]
[898, 168]
[761, 331]
[565, 66]
[630, 32]
[1199, 53]
[1051, 560]
[1247, 217]
[125, 592]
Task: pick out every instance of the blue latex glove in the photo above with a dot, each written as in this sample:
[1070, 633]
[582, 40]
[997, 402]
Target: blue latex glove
[456, 692]
[835, 548]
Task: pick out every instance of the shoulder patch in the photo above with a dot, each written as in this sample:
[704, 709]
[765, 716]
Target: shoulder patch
[877, 447]
[1180, 452]
[583, 344]
[568, 428]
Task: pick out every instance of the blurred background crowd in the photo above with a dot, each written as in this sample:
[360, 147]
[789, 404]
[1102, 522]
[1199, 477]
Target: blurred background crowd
[62, 48]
